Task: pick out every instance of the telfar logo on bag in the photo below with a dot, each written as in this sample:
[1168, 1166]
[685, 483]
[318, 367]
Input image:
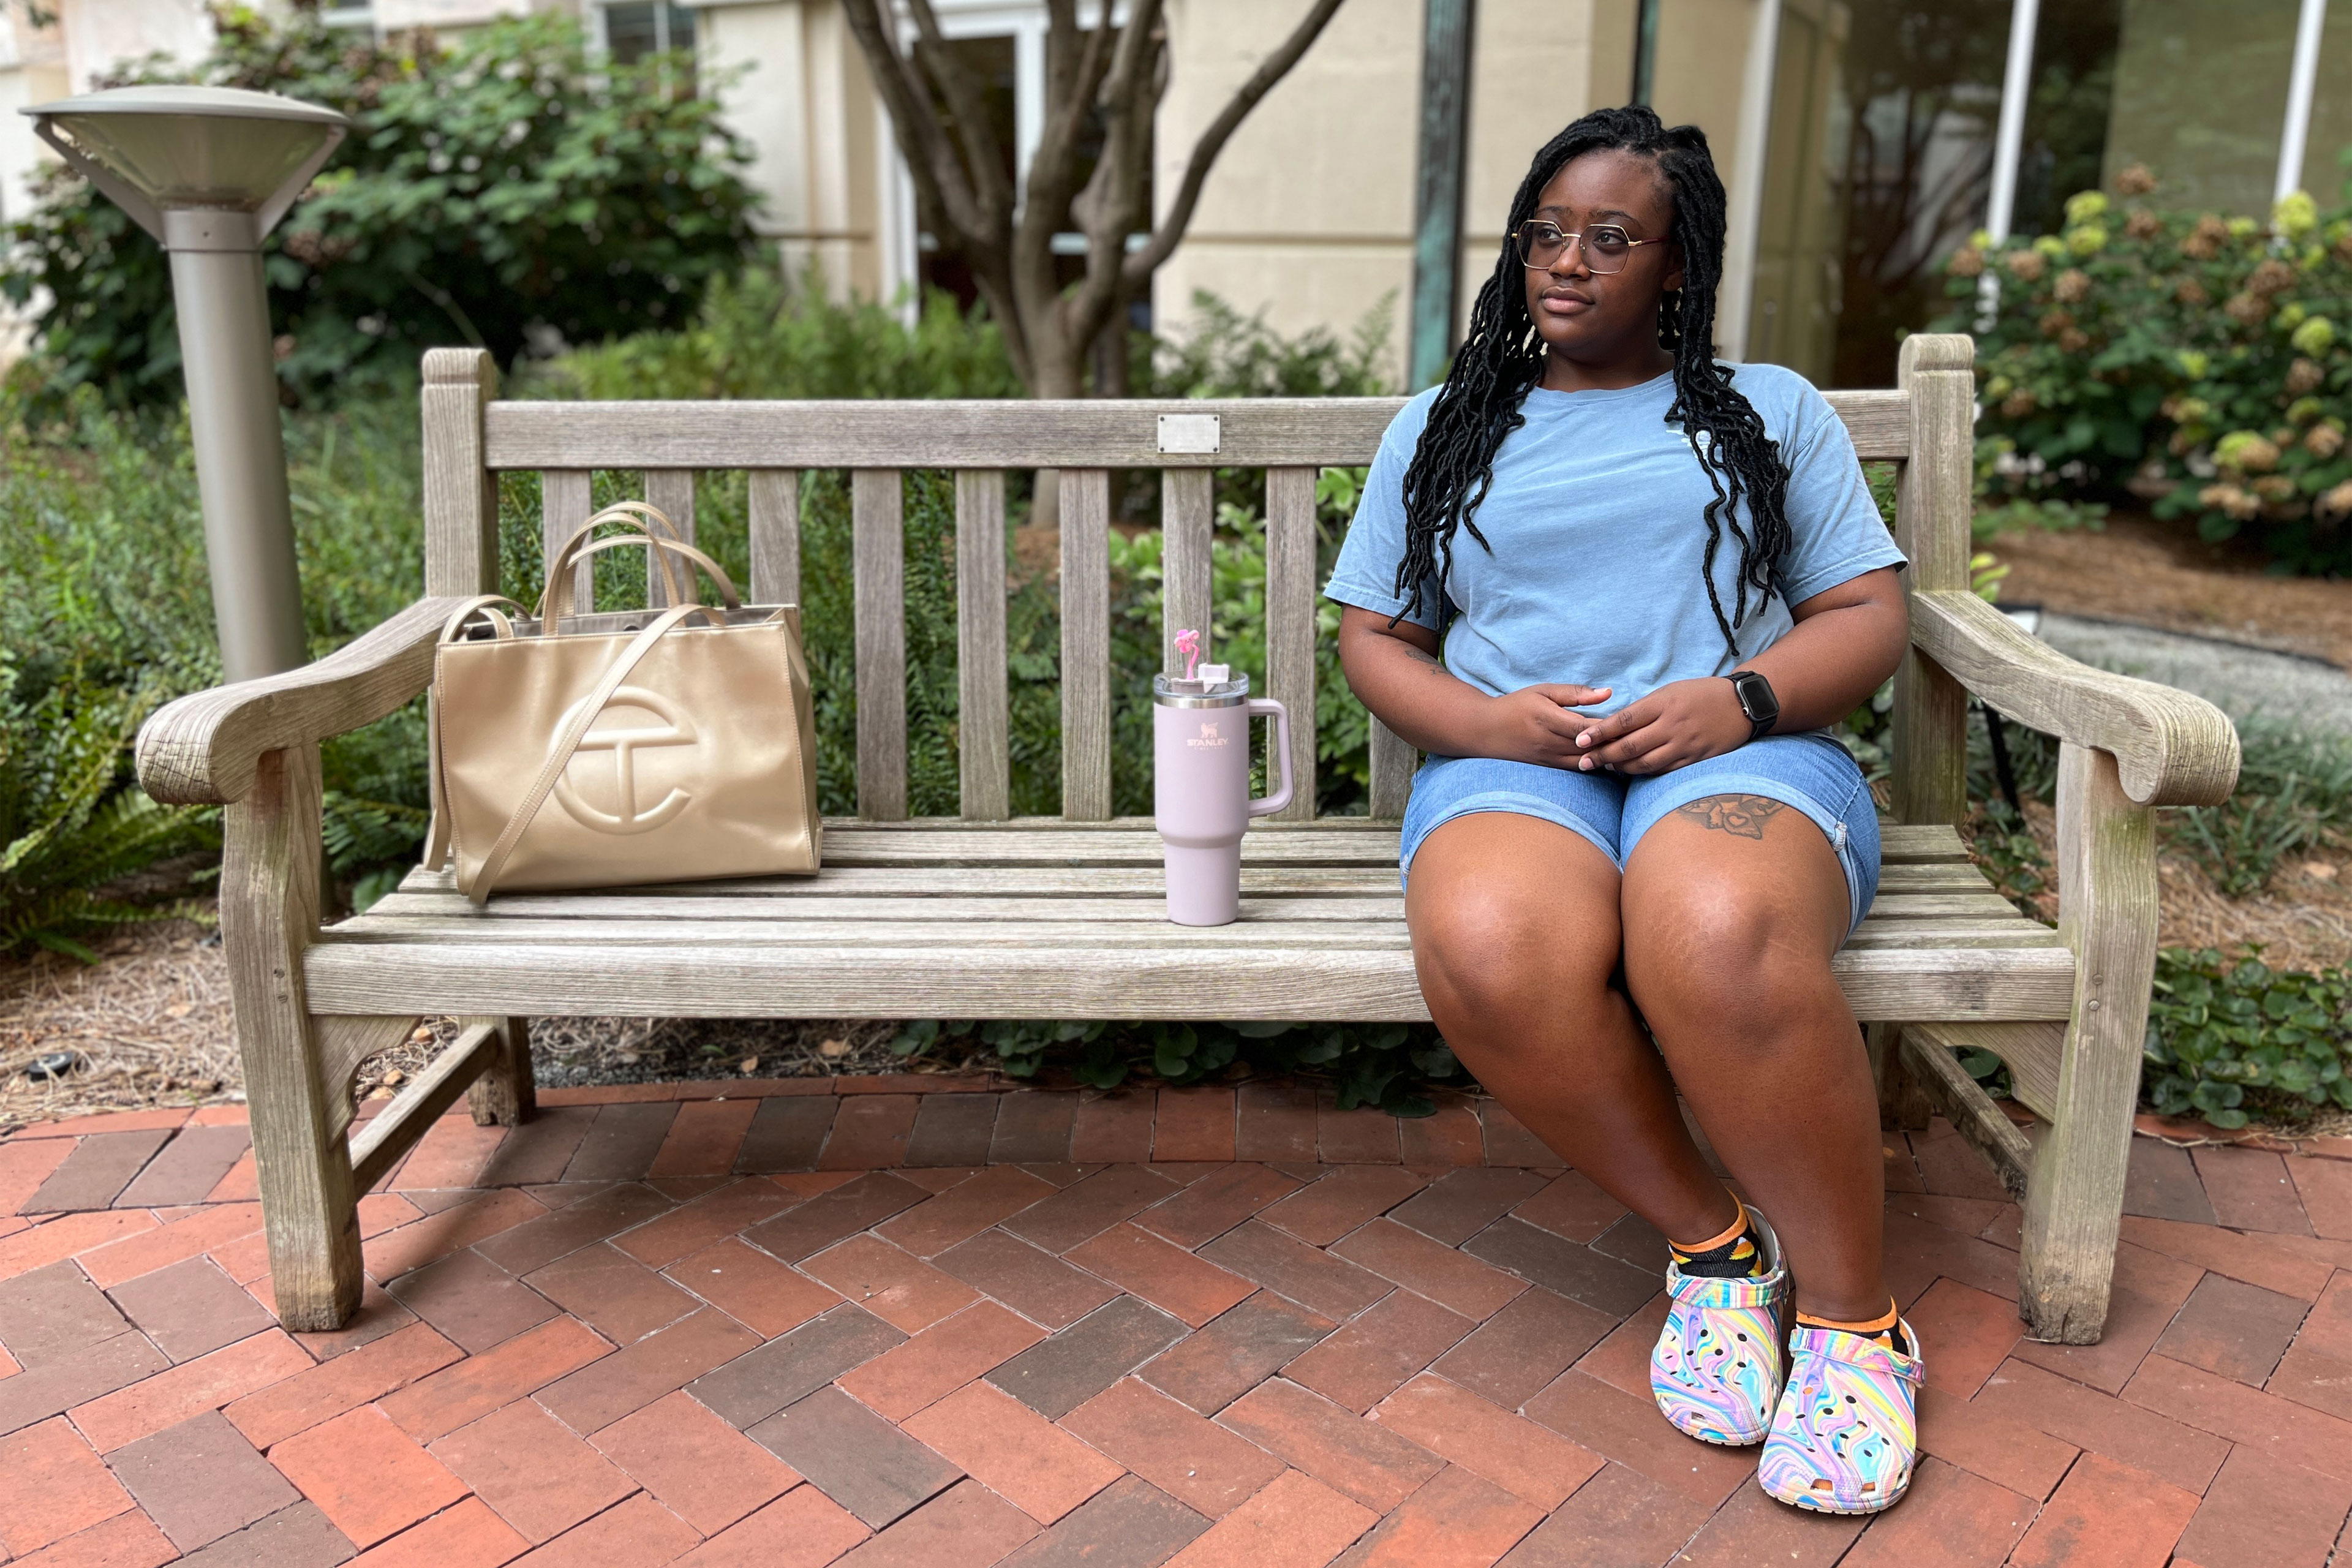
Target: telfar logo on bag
[674, 729]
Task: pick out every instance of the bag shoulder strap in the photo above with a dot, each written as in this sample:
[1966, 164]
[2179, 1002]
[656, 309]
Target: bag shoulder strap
[567, 742]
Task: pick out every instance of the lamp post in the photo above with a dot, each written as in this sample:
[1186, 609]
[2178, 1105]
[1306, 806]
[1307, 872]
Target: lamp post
[209, 171]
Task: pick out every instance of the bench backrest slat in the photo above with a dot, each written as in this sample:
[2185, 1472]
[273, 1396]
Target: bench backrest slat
[669, 491]
[984, 743]
[775, 526]
[566, 500]
[470, 437]
[1086, 644]
[878, 574]
[1187, 528]
[1257, 432]
[1291, 585]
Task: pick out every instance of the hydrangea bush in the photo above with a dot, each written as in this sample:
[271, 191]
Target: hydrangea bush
[2198, 362]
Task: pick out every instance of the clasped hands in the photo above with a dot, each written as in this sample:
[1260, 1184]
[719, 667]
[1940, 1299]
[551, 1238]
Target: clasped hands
[1683, 722]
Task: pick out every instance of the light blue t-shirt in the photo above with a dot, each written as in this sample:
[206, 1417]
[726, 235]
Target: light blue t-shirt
[1597, 517]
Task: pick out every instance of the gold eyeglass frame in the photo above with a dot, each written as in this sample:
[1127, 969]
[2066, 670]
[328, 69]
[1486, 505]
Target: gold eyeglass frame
[1577, 236]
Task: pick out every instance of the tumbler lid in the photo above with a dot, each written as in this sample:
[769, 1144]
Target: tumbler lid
[1175, 692]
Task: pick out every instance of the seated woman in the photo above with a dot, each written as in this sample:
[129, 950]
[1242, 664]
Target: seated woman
[1616, 589]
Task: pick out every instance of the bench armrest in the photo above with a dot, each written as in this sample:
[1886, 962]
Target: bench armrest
[202, 749]
[2171, 748]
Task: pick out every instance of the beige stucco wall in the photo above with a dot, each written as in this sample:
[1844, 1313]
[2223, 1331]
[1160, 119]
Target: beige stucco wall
[1308, 214]
[796, 88]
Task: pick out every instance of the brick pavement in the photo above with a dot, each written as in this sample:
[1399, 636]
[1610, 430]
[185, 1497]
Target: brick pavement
[925, 1321]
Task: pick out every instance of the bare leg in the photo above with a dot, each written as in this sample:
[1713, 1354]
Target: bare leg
[1515, 935]
[1729, 935]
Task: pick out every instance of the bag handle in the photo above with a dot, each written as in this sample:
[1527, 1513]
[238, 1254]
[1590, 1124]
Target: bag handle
[627, 514]
[559, 756]
[556, 602]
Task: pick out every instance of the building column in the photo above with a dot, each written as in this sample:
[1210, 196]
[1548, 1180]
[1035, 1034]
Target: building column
[2297, 133]
[1437, 203]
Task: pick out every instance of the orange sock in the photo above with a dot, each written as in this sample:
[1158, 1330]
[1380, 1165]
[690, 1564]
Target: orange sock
[1887, 1328]
[1734, 1253]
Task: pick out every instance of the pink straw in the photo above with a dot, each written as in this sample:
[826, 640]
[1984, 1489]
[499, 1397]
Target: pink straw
[1187, 643]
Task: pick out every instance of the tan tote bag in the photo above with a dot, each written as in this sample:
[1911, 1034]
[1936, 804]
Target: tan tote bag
[610, 750]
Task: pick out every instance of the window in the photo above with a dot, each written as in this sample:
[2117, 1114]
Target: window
[632, 32]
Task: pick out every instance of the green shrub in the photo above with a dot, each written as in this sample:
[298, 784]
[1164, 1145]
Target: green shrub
[2231, 1038]
[2195, 361]
[70, 819]
[761, 334]
[505, 187]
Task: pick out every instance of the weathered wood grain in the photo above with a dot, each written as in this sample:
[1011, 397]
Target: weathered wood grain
[519, 917]
[983, 744]
[1394, 761]
[879, 566]
[345, 1043]
[1257, 432]
[1971, 1111]
[669, 491]
[203, 748]
[378, 1145]
[1187, 526]
[1291, 585]
[2173, 749]
[2106, 914]
[774, 499]
[506, 1094]
[2033, 1053]
[1934, 509]
[269, 915]
[566, 500]
[460, 492]
[1086, 644]
[787, 980]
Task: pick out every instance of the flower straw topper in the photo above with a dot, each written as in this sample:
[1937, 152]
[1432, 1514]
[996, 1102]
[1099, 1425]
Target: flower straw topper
[1187, 643]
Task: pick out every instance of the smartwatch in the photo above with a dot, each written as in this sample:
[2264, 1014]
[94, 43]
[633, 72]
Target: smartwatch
[1756, 701]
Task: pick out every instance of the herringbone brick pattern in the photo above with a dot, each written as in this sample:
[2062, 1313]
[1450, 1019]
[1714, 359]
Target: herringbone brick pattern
[912, 1321]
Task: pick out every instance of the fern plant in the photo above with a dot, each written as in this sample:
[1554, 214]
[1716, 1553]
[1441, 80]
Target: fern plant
[71, 822]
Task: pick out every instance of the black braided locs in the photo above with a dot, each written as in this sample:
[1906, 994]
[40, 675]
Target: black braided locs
[1502, 359]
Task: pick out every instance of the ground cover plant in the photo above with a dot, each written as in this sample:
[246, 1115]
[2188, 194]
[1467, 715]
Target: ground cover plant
[2197, 361]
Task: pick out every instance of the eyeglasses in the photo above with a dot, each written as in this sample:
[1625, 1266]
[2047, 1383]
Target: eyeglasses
[1605, 246]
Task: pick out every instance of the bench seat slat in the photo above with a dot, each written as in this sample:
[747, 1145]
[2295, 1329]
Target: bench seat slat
[1900, 844]
[528, 911]
[682, 979]
[862, 846]
[1139, 924]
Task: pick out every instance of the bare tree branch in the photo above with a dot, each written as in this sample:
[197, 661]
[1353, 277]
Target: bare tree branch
[984, 157]
[1143, 263]
[931, 160]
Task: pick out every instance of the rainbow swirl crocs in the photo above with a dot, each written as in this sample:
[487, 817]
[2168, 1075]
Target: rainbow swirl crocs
[1715, 1371]
[1847, 1431]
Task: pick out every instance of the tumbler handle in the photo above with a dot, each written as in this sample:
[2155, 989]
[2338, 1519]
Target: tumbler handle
[1267, 707]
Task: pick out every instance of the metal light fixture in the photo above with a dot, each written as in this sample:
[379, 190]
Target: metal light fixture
[209, 171]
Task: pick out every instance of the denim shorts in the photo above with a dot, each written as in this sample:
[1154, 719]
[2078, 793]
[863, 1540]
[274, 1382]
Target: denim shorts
[1810, 772]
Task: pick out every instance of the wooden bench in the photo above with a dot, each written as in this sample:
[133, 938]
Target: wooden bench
[984, 916]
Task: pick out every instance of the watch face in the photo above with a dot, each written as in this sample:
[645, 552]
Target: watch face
[1756, 698]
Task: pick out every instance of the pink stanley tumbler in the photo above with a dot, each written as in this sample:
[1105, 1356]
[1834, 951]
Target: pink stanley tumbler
[1200, 732]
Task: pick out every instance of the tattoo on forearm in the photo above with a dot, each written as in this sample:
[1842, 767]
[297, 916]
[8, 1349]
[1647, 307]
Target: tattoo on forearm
[1742, 815]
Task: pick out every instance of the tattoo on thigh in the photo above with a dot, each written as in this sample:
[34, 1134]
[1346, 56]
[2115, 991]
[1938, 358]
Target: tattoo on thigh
[1743, 815]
